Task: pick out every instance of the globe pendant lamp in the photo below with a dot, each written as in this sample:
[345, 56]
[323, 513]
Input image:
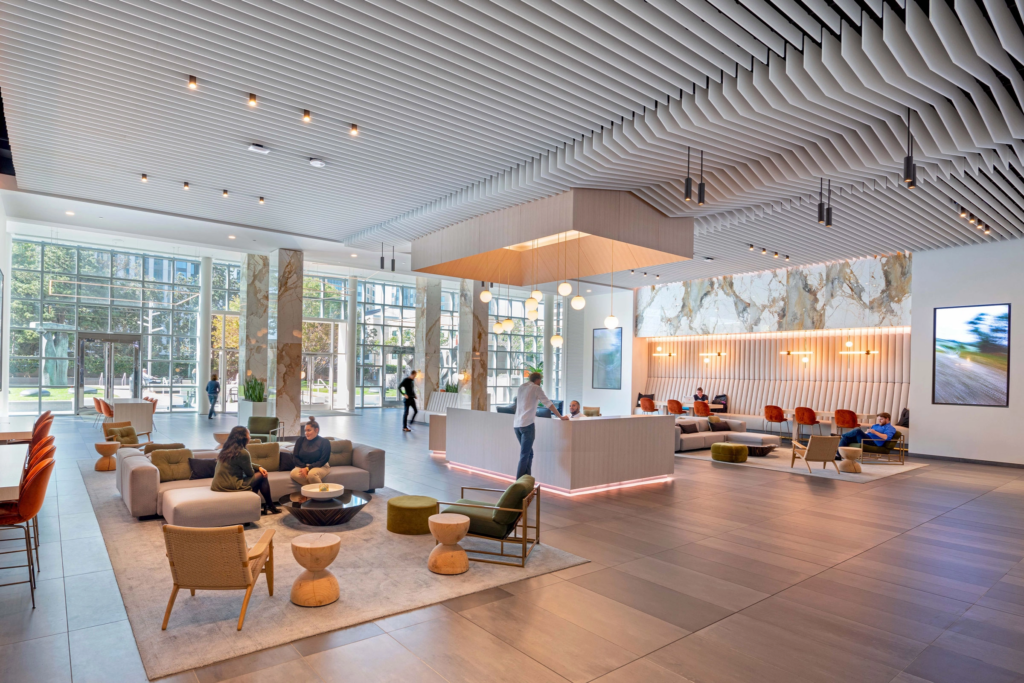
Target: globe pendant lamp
[565, 289]
[498, 328]
[486, 295]
[507, 324]
[556, 341]
[611, 322]
[532, 315]
[537, 295]
[578, 302]
[531, 304]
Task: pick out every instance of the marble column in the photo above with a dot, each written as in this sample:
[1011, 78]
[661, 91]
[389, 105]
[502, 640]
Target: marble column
[428, 337]
[205, 331]
[549, 351]
[285, 314]
[351, 327]
[473, 335]
[252, 319]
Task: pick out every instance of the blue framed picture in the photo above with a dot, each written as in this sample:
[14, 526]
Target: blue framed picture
[607, 373]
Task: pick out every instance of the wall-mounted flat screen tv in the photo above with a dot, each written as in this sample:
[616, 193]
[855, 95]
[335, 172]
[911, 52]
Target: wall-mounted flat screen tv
[971, 366]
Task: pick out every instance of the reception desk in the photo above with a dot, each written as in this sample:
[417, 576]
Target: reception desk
[569, 456]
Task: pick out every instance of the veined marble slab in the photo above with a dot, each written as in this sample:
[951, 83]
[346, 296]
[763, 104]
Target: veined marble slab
[871, 292]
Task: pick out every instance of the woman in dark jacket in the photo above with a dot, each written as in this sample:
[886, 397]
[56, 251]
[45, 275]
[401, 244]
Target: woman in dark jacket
[312, 455]
[235, 471]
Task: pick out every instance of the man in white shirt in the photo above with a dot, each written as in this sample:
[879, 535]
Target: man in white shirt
[574, 411]
[529, 395]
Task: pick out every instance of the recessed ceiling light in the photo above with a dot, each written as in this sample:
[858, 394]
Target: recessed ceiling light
[192, 83]
[305, 115]
[588, 291]
[185, 187]
[224, 194]
[354, 255]
[261, 200]
[231, 237]
[70, 213]
[145, 178]
[256, 147]
[252, 100]
[318, 163]
[354, 130]
[708, 258]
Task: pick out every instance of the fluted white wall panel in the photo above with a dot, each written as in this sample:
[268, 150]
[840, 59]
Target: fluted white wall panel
[754, 373]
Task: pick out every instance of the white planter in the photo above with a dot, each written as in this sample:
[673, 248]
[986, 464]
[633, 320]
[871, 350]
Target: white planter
[247, 409]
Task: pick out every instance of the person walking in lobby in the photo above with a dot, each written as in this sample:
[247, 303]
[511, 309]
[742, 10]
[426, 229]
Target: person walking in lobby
[529, 396]
[407, 388]
[213, 391]
[311, 454]
[876, 435]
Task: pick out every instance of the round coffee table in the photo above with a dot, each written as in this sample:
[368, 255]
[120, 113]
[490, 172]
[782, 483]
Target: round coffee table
[316, 586]
[325, 512]
[851, 460]
[448, 557]
[107, 451]
[759, 451]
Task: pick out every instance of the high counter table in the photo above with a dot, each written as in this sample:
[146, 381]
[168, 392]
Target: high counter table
[569, 456]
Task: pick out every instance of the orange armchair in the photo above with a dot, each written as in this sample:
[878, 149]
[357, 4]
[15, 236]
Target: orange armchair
[701, 409]
[19, 515]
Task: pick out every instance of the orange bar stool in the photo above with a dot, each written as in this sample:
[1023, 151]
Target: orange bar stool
[19, 515]
[701, 409]
[647, 406]
[675, 408]
[774, 415]
[806, 416]
[846, 420]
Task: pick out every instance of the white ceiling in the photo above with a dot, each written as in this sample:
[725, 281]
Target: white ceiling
[473, 105]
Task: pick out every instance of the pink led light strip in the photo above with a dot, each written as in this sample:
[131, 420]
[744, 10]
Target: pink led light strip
[566, 492]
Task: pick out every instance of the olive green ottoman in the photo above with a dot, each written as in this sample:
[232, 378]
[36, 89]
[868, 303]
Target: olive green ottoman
[729, 452]
[409, 514]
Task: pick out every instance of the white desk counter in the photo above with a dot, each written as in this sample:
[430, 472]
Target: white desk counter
[571, 456]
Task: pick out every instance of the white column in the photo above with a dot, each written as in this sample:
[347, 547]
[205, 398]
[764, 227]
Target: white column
[549, 352]
[205, 325]
[350, 343]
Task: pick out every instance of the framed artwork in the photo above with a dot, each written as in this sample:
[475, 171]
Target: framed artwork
[971, 360]
[607, 373]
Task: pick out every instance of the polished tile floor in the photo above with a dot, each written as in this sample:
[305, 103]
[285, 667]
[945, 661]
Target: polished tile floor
[725, 574]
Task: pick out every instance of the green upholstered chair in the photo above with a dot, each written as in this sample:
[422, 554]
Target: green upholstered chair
[893, 451]
[266, 429]
[507, 521]
[729, 452]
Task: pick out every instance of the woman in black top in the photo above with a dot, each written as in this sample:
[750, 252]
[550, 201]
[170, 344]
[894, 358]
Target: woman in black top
[312, 454]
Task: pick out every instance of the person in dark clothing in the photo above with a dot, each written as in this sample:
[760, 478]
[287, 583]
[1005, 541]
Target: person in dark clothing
[312, 455]
[408, 389]
[213, 391]
[235, 472]
[701, 396]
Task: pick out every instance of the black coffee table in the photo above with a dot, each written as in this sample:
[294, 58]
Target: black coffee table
[325, 512]
[759, 451]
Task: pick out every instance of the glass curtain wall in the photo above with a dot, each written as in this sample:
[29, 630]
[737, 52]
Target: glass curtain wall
[514, 354]
[324, 310]
[226, 288]
[557, 328]
[449, 339]
[61, 290]
[385, 339]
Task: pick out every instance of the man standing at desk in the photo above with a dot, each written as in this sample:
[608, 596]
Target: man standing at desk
[529, 395]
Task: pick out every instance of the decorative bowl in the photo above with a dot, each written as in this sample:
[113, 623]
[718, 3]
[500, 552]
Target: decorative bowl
[313, 491]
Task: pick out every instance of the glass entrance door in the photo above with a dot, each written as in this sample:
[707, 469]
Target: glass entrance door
[398, 362]
[318, 381]
[108, 367]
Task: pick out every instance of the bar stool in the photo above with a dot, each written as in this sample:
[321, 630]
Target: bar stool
[774, 415]
[805, 416]
[846, 419]
[19, 515]
[647, 406]
[675, 408]
[701, 409]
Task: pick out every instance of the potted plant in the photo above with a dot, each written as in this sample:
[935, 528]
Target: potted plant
[253, 402]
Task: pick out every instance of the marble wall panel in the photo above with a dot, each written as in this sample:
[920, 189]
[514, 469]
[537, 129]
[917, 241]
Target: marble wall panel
[286, 306]
[428, 337]
[253, 318]
[871, 292]
[472, 346]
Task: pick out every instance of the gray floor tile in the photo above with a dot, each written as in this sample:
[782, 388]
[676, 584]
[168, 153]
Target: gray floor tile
[246, 664]
[43, 660]
[328, 641]
[85, 555]
[371, 660]
[93, 599]
[106, 653]
[20, 622]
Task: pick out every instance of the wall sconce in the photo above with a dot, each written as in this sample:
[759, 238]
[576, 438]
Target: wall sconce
[795, 353]
[461, 377]
[712, 353]
[858, 353]
[805, 359]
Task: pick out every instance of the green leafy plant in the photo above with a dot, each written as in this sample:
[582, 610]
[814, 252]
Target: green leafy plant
[451, 388]
[254, 390]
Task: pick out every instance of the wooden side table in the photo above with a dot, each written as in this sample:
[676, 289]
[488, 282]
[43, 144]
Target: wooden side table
[316, 586]
[851, 460]
[107, 451]
[448, 557]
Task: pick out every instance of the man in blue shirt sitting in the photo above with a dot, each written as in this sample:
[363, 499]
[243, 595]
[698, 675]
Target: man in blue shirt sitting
[877, 435]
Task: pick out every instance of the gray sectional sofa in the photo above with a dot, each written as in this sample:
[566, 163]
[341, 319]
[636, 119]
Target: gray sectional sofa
[705, 437]
[190, 502]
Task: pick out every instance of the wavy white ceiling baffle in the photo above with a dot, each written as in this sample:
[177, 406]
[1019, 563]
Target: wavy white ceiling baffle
[465, 107]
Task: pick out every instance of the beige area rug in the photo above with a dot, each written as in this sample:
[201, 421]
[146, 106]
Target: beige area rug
[380, 574]
[779, 461]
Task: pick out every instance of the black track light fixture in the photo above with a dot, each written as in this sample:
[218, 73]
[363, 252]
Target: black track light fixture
[751, 247]
[963, 211]
[987, 231]
[382, 256]
[821, 201]
[763, 251]
[828, 209]
[700, 186]
[909, 167]
[688, 195]
[972, 219]
[392, 259]
[787, 257]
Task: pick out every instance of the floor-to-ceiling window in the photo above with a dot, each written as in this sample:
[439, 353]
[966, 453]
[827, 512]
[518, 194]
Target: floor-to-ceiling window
[385, 339]
[557, 328]
[515, 353]
[226, 286]
[324, 320]
[61, 291]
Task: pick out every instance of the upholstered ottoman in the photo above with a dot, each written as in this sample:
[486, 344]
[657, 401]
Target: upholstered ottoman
[729, 452]
[201, 507]
[409, 514]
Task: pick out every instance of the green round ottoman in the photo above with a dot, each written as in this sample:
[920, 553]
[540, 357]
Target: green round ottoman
[409, 514]
[729, 452]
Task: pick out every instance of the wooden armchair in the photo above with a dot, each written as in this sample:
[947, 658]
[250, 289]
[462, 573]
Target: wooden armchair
[217, 559]
[818, 449]
[108, 428]
[506, 521]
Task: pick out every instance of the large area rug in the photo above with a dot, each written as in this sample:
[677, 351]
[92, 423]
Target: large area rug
[380, 574]
[779, 461]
